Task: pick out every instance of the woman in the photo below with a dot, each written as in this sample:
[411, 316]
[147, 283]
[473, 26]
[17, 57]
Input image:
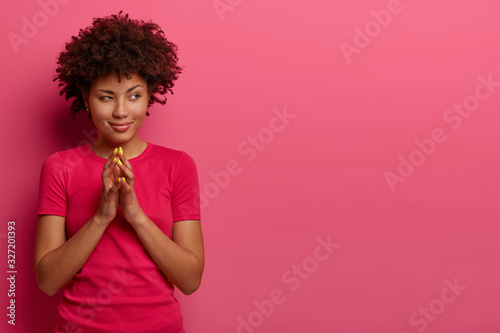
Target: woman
[119, 227]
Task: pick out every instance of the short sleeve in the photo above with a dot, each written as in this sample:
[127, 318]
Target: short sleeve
[52, 194]
[185, 190]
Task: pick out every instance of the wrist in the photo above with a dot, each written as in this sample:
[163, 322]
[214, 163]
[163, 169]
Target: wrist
[139, 220]
[99, 220]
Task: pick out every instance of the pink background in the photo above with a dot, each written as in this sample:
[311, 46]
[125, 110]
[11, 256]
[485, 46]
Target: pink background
[358, 115]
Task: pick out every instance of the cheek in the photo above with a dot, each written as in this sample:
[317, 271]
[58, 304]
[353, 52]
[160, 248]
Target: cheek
[139, 111]
[100, 120]
[100, 111]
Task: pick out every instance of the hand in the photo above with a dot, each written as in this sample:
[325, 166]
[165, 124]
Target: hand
[109, 203]
[128, 200]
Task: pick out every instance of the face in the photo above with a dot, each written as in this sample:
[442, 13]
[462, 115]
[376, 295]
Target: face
[118, 108]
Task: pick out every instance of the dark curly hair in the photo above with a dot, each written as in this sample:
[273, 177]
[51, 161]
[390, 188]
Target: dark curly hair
[117, 44]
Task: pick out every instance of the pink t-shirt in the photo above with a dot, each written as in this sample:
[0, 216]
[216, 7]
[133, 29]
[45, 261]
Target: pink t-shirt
[120, 288]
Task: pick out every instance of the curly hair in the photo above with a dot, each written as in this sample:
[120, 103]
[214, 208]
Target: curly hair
[117, 44]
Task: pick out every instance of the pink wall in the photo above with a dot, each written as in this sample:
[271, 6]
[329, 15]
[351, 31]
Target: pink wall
[385, 147]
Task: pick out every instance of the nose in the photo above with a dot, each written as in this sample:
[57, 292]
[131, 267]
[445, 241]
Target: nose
[120, 110]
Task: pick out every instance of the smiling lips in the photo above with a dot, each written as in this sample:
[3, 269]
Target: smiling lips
[120, 127]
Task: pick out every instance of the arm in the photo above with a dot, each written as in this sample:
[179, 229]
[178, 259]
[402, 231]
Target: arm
[57, 260]
[181, 258]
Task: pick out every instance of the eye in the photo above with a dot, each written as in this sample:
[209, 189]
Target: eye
[105, 98]
[135, 96]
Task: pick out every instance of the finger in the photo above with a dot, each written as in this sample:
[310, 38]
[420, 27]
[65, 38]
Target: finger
[107, 174]
[125, 170]
[125, 187]
[112, 157]
[122, 158]
[116, 172]
[110, 163]
[113, 189]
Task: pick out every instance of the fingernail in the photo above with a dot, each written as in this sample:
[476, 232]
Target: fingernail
[114, 159]
[123, 179]
[114, 151]
[119, 180]
[120, 162]
[121, 150]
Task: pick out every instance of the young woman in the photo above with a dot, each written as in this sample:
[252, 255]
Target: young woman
[119, 226]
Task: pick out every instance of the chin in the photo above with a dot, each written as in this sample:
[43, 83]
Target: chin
[118, 139]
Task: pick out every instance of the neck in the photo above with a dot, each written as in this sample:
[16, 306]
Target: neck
[131, 148]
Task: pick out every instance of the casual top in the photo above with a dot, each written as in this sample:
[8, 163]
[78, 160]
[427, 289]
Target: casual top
[120, 288]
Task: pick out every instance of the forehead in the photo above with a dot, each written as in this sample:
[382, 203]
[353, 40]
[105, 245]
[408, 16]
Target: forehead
[111, 82]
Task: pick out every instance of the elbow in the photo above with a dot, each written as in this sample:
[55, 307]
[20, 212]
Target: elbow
[46, 288]
[44, 285]
[193, 283]
[189, 291]
[49, 292]
[191, 288]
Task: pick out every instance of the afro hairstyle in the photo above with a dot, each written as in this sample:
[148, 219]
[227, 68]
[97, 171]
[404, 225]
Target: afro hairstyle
[117, 44]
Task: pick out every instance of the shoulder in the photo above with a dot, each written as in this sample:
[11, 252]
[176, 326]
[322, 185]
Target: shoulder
[55, 160]
[175, 156]
[67, 158]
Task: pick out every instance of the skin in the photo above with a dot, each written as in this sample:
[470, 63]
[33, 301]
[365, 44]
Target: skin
[57, 259]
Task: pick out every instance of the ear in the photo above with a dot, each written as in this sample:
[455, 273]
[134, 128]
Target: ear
[85, 97]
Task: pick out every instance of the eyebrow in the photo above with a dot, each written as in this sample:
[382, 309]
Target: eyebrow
[113, 93]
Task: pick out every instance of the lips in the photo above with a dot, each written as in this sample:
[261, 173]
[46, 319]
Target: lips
[120, 127]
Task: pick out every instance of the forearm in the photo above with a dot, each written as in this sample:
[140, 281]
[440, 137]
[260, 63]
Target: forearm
[58, 266]
[181, 266]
